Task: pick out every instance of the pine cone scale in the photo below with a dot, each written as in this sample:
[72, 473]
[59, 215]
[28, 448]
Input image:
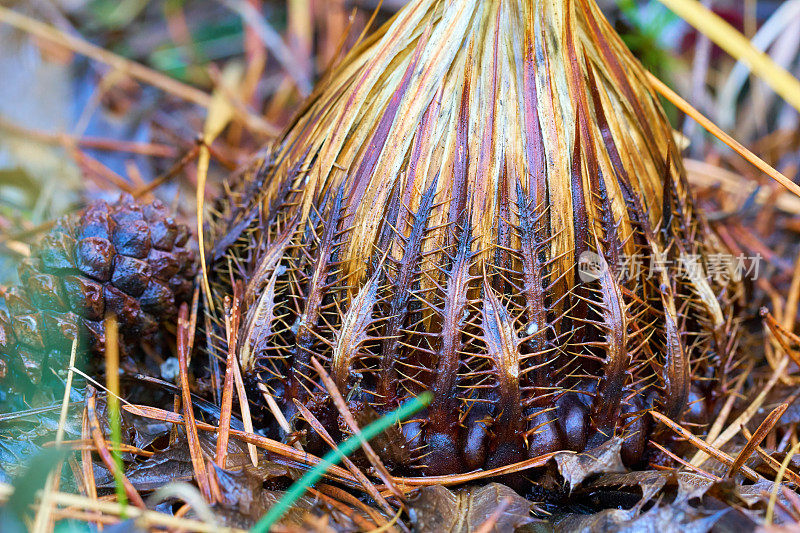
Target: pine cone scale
[121, 259]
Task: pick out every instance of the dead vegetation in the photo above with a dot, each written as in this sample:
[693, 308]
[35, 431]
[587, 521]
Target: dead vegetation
[184, 453]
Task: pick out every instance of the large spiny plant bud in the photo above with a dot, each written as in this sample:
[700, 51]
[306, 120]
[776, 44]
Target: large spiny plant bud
[123, 259]
[420, 226]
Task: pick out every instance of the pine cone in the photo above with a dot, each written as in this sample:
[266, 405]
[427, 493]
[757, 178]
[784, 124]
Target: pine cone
[120, 259]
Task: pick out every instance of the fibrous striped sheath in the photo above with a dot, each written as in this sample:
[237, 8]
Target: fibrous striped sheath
[420, 224]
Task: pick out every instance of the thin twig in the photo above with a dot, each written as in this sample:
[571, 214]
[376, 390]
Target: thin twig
[87, 444]
[169, 174]
[717, 132]
[95, 143]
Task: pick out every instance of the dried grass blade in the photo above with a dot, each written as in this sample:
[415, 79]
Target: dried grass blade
[774, 494]
[227, 389]
[277, 413]
[244, 407]
[43, 517]
[793, 298]
[220, 113]
[143, 517]
[112, 400]
[772, 462]
[737, 45]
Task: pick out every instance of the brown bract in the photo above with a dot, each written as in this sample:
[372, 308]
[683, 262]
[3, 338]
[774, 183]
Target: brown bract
[420, 224]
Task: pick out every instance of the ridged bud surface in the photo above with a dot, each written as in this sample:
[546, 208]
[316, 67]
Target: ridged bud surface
[420, 226]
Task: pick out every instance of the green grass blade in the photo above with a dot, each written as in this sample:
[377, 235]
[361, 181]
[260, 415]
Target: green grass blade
[334, 456]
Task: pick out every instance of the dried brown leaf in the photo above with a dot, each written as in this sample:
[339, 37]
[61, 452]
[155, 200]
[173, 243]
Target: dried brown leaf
[575, 467]
[464, 511]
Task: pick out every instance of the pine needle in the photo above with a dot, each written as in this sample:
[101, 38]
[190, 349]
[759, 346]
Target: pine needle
[760, 434]
[717, 132]
[719, 455]
[198, 462]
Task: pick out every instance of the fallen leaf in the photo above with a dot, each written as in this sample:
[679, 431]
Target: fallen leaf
[651, 482]
[660, 519]
[441, 510]
[575, 467]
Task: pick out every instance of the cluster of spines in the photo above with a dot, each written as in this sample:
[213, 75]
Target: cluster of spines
[515, 369]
